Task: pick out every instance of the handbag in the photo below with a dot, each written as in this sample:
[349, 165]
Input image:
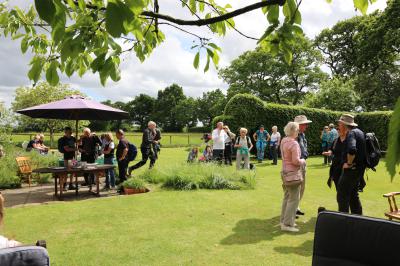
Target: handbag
[292, 178]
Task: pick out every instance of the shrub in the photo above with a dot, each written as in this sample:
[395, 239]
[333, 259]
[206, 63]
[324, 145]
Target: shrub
[200, 176]
[244, 110]
[9, 168]
[134, 183]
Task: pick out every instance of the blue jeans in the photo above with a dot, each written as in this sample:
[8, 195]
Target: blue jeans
[261, 145]
[110, 174]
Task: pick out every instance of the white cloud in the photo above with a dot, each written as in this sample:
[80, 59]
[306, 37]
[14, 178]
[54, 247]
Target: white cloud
[172, 61]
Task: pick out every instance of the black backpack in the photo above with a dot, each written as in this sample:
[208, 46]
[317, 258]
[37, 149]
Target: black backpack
[372, 150]
[132, 152]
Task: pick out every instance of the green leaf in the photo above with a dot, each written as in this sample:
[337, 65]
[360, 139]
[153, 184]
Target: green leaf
[69, 68]
[114, 19]
[24, 44]
[36, 68]
[210, 53]
[82, 5]
[213, 45]
[287, 54]
[71, 4]
[97, 63]
[215, 59]
[58, 25]
[196, 60]
[201, 6]
[297, 17]
[46, 10]
[269, 30]
[361, 5]
[192, 5]
[273, 14]
[207, 65]
[51, 74]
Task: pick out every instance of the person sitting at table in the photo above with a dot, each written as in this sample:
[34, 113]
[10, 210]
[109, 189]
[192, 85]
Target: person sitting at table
[88, 150]
[66, 145]
[5, 242]
[108, 147]
[36, 145]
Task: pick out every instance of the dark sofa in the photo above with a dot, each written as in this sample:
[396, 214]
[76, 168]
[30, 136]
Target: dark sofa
[352, 240]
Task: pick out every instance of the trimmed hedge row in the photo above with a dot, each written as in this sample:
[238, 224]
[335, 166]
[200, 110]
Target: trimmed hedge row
[245, 110]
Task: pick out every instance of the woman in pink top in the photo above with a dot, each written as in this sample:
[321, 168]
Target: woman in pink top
[291, 162]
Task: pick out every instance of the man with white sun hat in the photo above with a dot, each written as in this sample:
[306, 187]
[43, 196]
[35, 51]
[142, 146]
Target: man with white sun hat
[303, 124]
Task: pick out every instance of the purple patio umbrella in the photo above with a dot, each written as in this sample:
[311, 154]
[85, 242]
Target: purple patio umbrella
[76, 108]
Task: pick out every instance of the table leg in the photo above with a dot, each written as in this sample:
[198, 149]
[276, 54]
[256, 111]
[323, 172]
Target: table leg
[61, 186]
[76, 184]
[55, 185]
[97, 184]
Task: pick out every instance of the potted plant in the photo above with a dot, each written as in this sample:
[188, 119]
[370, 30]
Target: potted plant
[134, 186]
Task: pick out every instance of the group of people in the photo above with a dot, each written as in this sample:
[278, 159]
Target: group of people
[90, 146]
[348, 153]
[328, 136]
[37, 144]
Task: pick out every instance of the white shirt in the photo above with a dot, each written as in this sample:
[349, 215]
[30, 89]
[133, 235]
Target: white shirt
[8, 243]
[219, 137]
[275, 136]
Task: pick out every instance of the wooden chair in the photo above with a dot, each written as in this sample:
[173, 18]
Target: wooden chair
[394, 212]
[25, 169]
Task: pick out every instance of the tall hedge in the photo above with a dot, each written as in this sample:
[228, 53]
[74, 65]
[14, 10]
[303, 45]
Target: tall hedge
[245, 110]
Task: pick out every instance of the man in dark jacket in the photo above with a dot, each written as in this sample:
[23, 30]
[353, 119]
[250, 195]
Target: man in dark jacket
[88, 150]
[151, 137]
[353, 167]
[121, 155]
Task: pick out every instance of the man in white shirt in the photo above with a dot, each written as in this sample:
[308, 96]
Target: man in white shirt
[219, 136]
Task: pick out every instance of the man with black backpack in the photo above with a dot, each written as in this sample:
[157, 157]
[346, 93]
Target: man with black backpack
[354, 164]
[151, 137]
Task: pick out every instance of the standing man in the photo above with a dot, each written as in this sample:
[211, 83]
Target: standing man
[66, 145]
[353, 167]
[219, 136]
[303, 124]
[121, 154]
[88, 149]
[150, 138]
[333, 135]
[261, 136]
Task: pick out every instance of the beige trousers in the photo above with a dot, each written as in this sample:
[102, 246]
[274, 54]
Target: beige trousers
[291, 199]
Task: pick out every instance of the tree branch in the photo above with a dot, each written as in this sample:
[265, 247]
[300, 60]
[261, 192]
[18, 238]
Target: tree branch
[203, 22]
[185, 31]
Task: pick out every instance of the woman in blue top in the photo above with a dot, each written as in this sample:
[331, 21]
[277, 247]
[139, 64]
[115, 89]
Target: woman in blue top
[324, 144]
[261, 136]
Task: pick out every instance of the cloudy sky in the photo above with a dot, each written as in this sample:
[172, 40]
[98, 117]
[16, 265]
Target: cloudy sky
[172, 61]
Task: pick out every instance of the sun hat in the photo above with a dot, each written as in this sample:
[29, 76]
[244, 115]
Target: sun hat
[302, 119]
[348, 120]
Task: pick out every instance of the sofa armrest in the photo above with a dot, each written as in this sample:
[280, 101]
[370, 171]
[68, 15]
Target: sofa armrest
[24, 256]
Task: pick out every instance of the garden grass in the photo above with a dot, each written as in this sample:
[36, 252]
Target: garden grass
[203, 227]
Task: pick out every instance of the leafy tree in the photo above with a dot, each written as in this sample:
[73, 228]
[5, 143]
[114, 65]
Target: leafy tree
[165, 108]
[210, 105]
[7, 122]
[84, 35]
[271, 78]
[141, 109]
[337, 95]
[186, 113]
[42, 93]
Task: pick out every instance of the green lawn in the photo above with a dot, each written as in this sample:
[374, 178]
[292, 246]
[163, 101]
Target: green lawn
[188, 227]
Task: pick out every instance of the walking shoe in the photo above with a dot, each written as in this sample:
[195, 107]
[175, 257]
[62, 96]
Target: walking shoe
[298, 212]
[129, 172]
[289, 228]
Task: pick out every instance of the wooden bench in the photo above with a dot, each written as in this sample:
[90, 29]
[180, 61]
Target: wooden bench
[394, 212]
[25, 169]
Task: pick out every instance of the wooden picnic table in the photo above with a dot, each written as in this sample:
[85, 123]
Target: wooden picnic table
[60, 175]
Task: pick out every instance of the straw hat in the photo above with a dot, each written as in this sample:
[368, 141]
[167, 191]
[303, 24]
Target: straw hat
[348, 120]
[302, 119]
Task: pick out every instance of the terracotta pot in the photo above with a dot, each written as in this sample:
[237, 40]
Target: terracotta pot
[129, 191]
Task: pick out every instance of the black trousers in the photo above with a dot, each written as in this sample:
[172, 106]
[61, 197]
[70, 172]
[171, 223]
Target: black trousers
[122, 168]
[228, 153]
[89, 178]
[274, 153]
[218, 155]
[147, 152]
[347, 191]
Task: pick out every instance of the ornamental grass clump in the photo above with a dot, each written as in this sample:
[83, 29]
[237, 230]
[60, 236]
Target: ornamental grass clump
[191, 176]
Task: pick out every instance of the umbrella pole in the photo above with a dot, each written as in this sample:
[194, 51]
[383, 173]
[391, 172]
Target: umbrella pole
[76, 137]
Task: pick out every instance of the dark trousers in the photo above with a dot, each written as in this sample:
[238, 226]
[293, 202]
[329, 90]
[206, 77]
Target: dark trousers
[347, 191]
[89, 178]
[228, 153]
[147, 153]
[327, 159]
[273, 151]
[122, 168]
[218, 155]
